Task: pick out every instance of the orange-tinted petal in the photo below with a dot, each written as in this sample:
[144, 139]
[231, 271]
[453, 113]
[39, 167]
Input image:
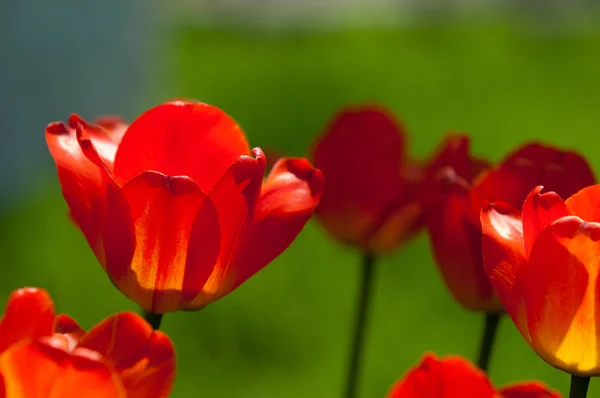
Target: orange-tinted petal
[361, 156]
[67, 327]
[144, 358]
[29, 314]
[528, 390]
[181, 139]
[146, 238]
[539, 211]
[503, 257]
[456, 244]
[234, 198]
[45, 368]
[559, 287]
[288, 198]
[81, 180]
[447, 377]
[585, 204]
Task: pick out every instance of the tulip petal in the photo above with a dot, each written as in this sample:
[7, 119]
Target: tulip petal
[29, 314]
[562, 298]
[288, 198]
[181, 139]
[361, 156]
[67, 327]
[446, 377]
[503, 257]
[146, 238]
[144, 358]
[81, 180]
[234, 198]
[561, 171]
[528, 390]
[585, 204]
[539, 211]
[456, 245]
[45, 368]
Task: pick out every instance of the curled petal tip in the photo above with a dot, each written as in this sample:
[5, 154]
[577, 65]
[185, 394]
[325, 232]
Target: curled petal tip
[260, 156]
[75, 120]
[57, 128]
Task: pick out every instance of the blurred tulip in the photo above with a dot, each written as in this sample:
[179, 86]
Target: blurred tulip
[373, 195]
[175, 206]
[453, 213]
[455, 377]
[46, 356]
[543, 263]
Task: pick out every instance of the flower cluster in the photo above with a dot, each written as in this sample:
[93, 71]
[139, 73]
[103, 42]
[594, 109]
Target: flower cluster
[178, 212]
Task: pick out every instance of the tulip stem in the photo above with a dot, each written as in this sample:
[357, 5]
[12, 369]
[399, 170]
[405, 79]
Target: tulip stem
[153, 319]
[579, 386]
[360, 322]
[487, 340]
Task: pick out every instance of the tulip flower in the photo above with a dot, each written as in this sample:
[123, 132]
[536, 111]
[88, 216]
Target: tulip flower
[543, 264]
[455, 230]
[174, 206]
[43, 355]
[454, 376]
[373, 197]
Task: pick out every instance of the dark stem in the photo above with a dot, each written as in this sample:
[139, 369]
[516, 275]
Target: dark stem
[360, 322]
[487, 340]
[153, 319]
[579, 386]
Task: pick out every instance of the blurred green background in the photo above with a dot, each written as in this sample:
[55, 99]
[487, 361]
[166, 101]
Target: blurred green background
[285, 333]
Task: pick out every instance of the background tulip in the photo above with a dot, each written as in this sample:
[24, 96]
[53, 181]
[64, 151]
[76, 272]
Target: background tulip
[175, 207]
[454, 376]
[46, 356]
[453, 216]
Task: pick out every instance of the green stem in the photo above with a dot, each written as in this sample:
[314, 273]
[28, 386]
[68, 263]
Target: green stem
[579, 386]
[153, 319]
[360, 322]
[487, 340]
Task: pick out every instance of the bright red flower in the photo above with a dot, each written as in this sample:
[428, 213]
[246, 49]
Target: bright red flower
[46, 356]
[174, 206]
[453, 217]
[455, 377]
[373, 195]
[544, 262]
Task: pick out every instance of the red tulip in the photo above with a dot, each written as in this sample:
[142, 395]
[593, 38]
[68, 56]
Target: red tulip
[373, 195]
[175, 207]
[543, 262]
[453, 218]
[455, 377]
[46, 356]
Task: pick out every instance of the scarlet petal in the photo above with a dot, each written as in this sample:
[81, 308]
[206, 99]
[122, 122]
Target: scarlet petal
[564, 172]
[181, 138]
[81, 180]
[288, 198]
[539, 211]
[144, 358]
[561, 295]
[528, 390]
[29, 314]
[361, 156]
[67, 327]
[456, 244]
[446, 377]
[234, 198]
[146, 238]
[44, 368]
[504, 256]
[585, 204]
